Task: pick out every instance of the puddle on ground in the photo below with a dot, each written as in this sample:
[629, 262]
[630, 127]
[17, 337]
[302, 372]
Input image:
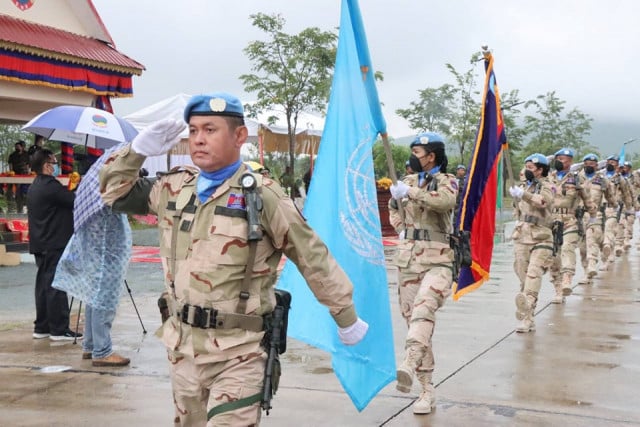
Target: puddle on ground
[322, 370]
[54, 369]
[621, 336]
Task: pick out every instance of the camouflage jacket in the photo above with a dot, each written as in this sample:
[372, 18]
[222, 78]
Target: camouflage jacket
[535, 218]
[571, 194]
[599, 188]
[622, 192]
[211, 254]
[427, 207]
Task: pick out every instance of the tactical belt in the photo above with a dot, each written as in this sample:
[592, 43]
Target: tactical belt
[210, 318]
[535, 220]
[564, 211]
[428, 235]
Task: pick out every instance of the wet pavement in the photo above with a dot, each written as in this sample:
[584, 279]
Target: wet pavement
[580, 368]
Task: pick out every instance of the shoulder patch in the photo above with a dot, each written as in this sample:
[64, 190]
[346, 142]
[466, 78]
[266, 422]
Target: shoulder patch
[236, 201]
[454, 184]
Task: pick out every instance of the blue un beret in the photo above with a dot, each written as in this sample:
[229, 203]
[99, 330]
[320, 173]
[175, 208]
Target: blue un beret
[215, 104]
[591, 157]
[537, 158]
[614, 157]
[427, 138]
[565, 152]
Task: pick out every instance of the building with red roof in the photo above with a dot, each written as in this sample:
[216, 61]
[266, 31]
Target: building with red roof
[57, 52]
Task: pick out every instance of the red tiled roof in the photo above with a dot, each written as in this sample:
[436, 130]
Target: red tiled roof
[29, 37]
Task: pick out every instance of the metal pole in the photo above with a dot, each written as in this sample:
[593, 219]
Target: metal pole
[144, 331]
[392, 169]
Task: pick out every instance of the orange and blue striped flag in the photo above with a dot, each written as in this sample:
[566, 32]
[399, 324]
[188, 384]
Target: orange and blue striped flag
[477, 210]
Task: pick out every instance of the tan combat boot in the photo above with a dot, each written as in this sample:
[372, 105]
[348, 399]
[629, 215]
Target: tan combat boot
[405, 371]
[566, 284]
[592, 270]
[558, 297]
[426, 402]
[525, 305]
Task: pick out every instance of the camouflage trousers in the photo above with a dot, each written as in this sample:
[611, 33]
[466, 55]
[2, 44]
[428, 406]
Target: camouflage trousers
[530, 263]
[197, 388]
[629, 219]
[421, 295]
[565, 263]
[593, 243]
[610, 232]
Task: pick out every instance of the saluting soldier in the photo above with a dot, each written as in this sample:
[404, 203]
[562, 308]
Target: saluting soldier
[570, 196]
[424, 258]
[532, 236]
[216, 324]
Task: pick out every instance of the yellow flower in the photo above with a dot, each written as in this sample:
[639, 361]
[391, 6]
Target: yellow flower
[383, 183]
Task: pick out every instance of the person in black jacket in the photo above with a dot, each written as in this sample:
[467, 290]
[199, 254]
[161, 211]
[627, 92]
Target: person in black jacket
[50, 215]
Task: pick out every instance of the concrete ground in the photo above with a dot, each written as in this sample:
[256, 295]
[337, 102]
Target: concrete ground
[580, 368]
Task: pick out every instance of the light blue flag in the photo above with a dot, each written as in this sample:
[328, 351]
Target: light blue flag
[621, 161]
[342, 209]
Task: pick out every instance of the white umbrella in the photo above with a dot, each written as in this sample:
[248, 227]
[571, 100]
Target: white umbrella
[86, 126]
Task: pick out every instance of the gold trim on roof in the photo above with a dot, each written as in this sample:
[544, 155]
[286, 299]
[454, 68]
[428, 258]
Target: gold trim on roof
[68, 88]
[69, 58]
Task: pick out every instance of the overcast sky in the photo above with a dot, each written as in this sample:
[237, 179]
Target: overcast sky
[587, 51]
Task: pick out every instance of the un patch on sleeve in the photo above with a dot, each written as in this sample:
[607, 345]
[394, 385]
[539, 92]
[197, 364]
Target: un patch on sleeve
[236, 201]
[454, 184]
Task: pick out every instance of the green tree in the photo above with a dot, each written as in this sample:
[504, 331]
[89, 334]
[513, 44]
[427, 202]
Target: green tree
[399, 153]
[551, 129]
[292, 72]
[451, 109]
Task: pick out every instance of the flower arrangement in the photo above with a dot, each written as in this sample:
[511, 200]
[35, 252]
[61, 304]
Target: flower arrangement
[383, 183]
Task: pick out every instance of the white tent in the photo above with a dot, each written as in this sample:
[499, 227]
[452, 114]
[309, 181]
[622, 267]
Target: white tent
[270, 135]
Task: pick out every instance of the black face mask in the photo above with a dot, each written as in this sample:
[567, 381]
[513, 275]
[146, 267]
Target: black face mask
[529, 175]
[414, 162]
[589, 170]
[558, 165]
[610, 168]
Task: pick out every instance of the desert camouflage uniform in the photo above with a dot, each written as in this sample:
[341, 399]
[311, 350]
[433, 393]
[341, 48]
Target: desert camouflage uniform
[425, 263]
[570, 195]
[210, 367]
[630, 215]
[613, 228]
[533, 242]
[601, 193]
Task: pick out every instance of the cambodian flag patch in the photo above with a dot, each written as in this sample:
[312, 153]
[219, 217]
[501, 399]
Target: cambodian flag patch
[236, 201]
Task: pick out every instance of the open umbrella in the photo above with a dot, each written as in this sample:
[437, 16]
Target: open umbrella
[86, 126]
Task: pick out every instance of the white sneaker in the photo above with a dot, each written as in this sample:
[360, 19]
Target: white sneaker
[38, 335]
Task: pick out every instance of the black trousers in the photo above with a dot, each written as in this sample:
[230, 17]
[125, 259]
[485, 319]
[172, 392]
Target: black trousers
[52, 305]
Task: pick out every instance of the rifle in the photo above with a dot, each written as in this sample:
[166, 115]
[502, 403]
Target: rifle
[579, 218]
[277, 344]
[619, 211]
[604, 217]
[459, 241]
[558, 230]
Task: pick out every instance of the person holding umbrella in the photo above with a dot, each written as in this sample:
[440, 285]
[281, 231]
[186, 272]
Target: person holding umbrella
[50, 215]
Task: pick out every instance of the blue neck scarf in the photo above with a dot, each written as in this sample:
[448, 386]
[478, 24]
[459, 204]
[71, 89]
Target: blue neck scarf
[589, 175]
[422, 175]
[208, 182]
[610, 174]
[561, 174]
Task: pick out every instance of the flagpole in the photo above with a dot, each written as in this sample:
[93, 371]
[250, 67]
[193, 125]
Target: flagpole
[392, 169]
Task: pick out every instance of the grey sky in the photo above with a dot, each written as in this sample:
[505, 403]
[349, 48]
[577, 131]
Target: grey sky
[587, 51]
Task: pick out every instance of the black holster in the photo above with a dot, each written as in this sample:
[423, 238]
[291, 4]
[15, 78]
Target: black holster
[460, 242]
[163, 306]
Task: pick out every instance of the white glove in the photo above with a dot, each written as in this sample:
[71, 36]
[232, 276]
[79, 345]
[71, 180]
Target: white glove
[638, 214]
[352, 335]
[516, 192]
[402, 235]
[158, 138]
[592, 220]
[399, 190]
